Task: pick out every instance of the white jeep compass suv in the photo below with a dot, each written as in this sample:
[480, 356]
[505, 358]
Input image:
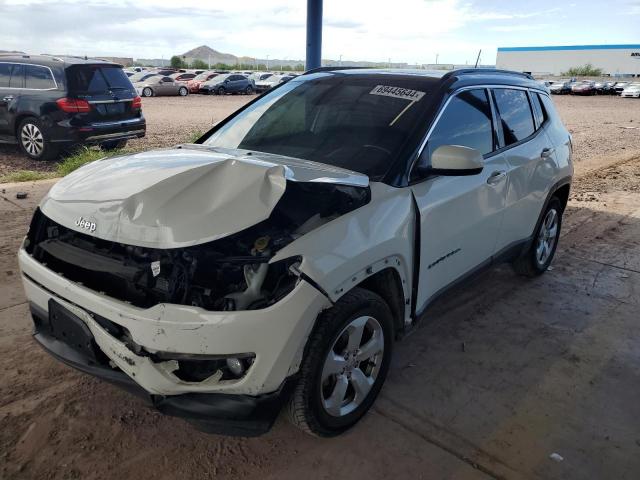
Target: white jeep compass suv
[276, 261]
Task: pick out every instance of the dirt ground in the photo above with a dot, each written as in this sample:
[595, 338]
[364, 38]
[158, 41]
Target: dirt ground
[501, 375]
[170, 120]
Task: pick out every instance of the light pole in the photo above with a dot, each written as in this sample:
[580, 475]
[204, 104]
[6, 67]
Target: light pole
[314, 34]
[340, 62]
[437, 55]
[267, 62]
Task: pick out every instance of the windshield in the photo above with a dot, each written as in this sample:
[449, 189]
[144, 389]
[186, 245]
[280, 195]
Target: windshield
[348, 121]
[273, 79]
[139, 77]
[202, 76]
[220, 78]
[94, 79]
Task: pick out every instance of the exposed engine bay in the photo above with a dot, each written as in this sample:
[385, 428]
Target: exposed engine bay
[232, 273]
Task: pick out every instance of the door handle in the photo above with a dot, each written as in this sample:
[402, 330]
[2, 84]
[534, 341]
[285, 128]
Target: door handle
[8, 98]
[547, 152]
[496, 177]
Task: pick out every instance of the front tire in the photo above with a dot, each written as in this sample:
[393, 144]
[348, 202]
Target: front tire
[539, 255]
[345, 364]
[183, 92]
[34, 140]
[248, 90]
[221, 91]
[147, 92]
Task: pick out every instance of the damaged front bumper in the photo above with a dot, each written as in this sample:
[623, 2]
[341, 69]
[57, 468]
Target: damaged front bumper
[275, 336]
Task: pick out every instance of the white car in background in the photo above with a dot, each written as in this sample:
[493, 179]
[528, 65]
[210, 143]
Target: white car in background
[276, 261]
[631, 91]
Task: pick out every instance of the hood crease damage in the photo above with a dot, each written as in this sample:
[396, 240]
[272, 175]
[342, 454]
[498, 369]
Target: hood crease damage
[189, 226]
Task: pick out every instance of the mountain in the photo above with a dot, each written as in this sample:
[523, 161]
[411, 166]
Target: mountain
[209, 55]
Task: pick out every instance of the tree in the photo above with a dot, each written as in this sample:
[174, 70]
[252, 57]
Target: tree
[177, 62]
[199, 64]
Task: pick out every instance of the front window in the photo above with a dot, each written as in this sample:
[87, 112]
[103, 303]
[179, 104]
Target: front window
[466, 122]
[355, 122]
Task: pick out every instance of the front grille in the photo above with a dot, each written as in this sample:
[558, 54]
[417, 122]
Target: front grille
[202, 275]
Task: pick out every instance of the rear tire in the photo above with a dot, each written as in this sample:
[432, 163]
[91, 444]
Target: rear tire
[113, 145]
[248, 90]
[34, 140]
[183, 92]
[539, 255]
[345, 364]
[221, 91]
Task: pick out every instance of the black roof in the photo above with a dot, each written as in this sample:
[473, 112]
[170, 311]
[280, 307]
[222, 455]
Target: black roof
[451, 78]
[52, 60]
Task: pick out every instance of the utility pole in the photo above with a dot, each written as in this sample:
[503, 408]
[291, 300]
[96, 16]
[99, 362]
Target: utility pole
[267, 62]
[340, 62]
[437, 55]
[389, 62]
[209, 62]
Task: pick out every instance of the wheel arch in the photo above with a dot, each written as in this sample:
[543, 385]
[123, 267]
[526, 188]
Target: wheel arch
[387, 283]
[20, 118]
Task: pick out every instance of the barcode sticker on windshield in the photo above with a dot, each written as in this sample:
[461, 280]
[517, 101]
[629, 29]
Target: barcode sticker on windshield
[397, 92]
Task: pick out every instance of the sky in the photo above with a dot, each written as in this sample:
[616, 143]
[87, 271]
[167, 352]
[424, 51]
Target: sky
[411, 31]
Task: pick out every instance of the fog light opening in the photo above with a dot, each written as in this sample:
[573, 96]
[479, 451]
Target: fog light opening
[236, 366]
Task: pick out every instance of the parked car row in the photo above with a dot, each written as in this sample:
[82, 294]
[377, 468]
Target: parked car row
[587, 87]
[149, 83]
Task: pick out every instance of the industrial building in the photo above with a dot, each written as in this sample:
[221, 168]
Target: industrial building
[614, 60]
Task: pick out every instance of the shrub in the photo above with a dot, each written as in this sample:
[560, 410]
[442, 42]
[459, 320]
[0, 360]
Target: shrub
[587, 70]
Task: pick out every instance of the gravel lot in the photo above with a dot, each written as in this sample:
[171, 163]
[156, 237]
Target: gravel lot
[603, 126]
[501, 375]
[170, 120]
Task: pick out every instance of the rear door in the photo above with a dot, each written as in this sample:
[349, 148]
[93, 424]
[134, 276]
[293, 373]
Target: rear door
[11, 97]
[107, 89]
[460, 216]
[530, 155]
[167, 86]
[6, 95]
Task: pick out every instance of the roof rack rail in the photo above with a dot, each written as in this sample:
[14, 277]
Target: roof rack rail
[464, 71]
[14, 54]
[53, 57]
[330, 69]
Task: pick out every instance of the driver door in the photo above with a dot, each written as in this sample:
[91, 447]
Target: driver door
[460, 215]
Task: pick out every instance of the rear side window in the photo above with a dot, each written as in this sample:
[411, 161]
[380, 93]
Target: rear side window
[38, 78]
[5, 74]
[515, 114]
[17, 76]
[96, 79]
[549, 108]
[538, 109]
[466, 121]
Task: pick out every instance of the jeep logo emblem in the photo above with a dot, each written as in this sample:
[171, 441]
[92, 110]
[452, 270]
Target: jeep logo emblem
[82, 223]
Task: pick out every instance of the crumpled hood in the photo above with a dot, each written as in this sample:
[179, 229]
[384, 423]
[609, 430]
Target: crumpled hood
[179, 197]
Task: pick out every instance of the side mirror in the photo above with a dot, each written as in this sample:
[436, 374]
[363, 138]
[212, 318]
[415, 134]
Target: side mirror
[453, 160]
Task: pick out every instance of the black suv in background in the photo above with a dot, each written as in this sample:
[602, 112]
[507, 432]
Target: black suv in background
[52, 103]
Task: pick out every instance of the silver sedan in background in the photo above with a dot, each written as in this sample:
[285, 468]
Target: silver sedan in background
[159, 85]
